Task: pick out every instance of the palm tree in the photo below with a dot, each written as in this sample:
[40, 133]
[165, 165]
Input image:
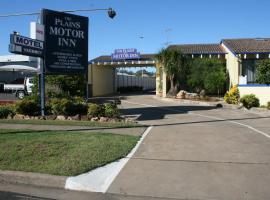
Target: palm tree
[175, 66]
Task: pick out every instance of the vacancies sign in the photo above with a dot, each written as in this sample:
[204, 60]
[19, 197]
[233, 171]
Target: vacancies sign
[25, 46]
[66, 42]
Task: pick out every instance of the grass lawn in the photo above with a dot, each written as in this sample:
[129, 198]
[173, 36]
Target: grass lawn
[60, 152]
[71, 123]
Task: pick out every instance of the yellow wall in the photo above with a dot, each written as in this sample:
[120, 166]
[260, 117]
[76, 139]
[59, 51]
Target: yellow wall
[261, 92]
[102, 80]
[232, 65]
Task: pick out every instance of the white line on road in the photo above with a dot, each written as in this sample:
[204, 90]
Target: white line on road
[206, 116]
[100, 179]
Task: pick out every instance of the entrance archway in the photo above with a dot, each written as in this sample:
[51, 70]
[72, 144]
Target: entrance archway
[102, 73]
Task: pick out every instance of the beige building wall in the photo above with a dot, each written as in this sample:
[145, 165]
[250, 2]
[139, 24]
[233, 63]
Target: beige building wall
[102, 80]
[261, 92]
[233, 66]
[158, 79]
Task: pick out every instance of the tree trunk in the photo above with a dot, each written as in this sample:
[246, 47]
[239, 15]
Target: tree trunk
[173, 88]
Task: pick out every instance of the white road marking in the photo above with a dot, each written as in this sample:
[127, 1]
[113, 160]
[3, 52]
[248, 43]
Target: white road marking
[100, 179]
[206, 116]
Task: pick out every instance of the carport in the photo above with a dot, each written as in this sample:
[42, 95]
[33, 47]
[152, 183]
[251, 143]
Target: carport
[102, 73]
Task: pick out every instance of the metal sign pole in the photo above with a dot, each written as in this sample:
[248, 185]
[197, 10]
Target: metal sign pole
[42, 74]
[42, 88]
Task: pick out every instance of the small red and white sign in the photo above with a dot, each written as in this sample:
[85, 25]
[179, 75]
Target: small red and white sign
[37, 31]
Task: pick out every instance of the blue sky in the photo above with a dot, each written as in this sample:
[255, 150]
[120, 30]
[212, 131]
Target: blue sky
[157, 21]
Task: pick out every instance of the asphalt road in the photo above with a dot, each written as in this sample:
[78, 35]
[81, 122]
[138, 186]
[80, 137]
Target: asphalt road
[192, 152]
[7, 96]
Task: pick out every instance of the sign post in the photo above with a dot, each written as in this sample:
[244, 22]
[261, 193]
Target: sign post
[66, 39]
[65, 46]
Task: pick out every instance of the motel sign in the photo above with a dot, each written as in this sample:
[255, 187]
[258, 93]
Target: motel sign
[25, 46]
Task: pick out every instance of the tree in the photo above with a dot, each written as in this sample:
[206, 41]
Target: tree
[175, 66]
[263, 71]
[62, 85]
[208, 74]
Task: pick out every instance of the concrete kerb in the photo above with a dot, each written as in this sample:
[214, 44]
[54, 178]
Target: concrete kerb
[35, 179]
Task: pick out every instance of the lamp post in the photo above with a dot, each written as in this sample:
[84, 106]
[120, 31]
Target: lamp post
[111, 12]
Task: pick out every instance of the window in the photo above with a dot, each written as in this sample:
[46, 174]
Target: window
[249, 70]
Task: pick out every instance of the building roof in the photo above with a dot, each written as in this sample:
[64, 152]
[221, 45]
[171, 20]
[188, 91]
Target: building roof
[144, 57]
[199, 48]
[249, 45]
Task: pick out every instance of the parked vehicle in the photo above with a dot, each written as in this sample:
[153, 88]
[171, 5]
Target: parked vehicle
[20, 89]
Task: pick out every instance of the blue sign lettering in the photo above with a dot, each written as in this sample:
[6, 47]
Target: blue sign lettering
[125, 54]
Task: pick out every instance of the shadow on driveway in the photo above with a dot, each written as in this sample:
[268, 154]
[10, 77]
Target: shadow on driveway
[155, 113]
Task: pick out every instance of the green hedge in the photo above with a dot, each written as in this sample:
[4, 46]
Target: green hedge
[5, 111]
[68, 107]
[249, 101]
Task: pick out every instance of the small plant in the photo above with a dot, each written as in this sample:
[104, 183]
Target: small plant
[28, 107]
[111, 110]
[96, 110]
[232, 96]
[5, 111]
[68, 107]
[249, 101]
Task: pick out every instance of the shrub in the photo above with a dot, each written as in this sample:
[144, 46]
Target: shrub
[268, 105]
[111, 110]
[207, 74]
[96, 110]
[263, 71]
[28, 107]
[232, 96]
[249, 101]
[5, 111]
[67, 107]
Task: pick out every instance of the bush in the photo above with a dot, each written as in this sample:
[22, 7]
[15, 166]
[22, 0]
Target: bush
[5, 111]
[67, 107]
[232, 96]
[249, 101]
[28, 107]
[268, 105]
[207, 74]
[263, 71]
[96, 110]
[111, 110]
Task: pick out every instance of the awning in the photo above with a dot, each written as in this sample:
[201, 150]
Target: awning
[18, 68]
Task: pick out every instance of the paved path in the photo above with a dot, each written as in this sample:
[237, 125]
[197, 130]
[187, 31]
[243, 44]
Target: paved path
[197, 152]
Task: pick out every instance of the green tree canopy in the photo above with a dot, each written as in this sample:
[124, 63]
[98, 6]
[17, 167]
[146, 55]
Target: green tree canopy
[263, 71]
[175, 66]
[208, 74]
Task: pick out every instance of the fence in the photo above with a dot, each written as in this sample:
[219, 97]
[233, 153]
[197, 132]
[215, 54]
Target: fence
[125, 80]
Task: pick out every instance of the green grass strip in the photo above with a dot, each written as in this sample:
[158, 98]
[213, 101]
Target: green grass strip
[72, 123]
[61, 152]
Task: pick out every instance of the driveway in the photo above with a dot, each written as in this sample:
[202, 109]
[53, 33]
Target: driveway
[196, 152]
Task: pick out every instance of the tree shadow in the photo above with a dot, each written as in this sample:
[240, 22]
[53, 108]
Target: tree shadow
[210, 121]
[156, 113]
